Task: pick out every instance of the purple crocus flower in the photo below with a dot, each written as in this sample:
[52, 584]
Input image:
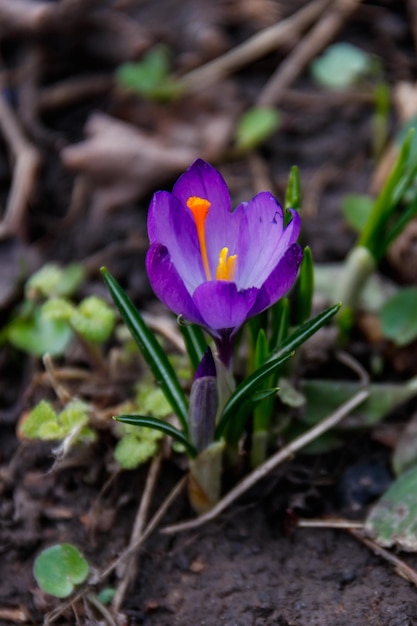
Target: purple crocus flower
[217, 267]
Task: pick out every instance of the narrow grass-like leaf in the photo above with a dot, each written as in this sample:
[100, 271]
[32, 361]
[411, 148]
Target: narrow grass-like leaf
[262, 410]
[293, 192]
[305, 288]
[246, 389]
[280, 323]
[195, 343]
[285, 351]
[403, 174]
[235, 427]
[151, 350]
[400, 223]
[305, 331]
[157, 424]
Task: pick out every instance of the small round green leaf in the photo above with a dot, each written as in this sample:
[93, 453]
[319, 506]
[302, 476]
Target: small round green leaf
[58, 309]
[255, 126]
[132, 450]
[399, 318]
[94, 319]
[41, 422]
[59, 568]
[341, 66]
[52, 280]
[357, 209]
[74, 415]
[106, 595]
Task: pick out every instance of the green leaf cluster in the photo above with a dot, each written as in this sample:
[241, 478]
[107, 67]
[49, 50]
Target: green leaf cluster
[43, 422]
[93, 319]
[55, 281]
[136, 446]
[40, 327]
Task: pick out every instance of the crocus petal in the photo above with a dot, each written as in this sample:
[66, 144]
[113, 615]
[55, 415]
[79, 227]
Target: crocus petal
[222, 306]
[279, 281]
[207, 366]
[168, 285]
[204, 181]
[262, 239]
[170, 223]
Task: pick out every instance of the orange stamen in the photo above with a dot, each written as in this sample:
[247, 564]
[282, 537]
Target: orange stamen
[199, 207]
[227, 265]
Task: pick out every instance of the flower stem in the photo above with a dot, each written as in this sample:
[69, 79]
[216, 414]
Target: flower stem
[359, 266]
[204, 484]
[225, 347]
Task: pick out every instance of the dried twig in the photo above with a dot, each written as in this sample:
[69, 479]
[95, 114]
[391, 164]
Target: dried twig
[278, 458]
[258, 46]
[150, 527]
[27, 162]
[72, 91]
[401, 566]
[127, 569]
[326, 99]
[330, 523]
[13, 616]
[317, 39]
[61, 392]
[353, 364]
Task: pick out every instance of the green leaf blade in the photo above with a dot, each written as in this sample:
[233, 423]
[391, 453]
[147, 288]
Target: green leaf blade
[151, 350]
[165, 427]
[305, 331]
[195, 343]
[246, 389]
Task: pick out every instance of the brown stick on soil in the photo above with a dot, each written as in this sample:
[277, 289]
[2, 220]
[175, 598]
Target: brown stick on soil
[73, 90]
[273, 462]
[402, 568]
[27, 162]
[255, 48]
[128, 569]
[313, 43]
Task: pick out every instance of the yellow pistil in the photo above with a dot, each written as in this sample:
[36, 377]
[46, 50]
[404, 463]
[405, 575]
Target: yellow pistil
[226, 266]
[199, 207]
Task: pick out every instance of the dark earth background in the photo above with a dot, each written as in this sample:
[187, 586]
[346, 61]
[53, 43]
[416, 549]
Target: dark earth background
[251, 566]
